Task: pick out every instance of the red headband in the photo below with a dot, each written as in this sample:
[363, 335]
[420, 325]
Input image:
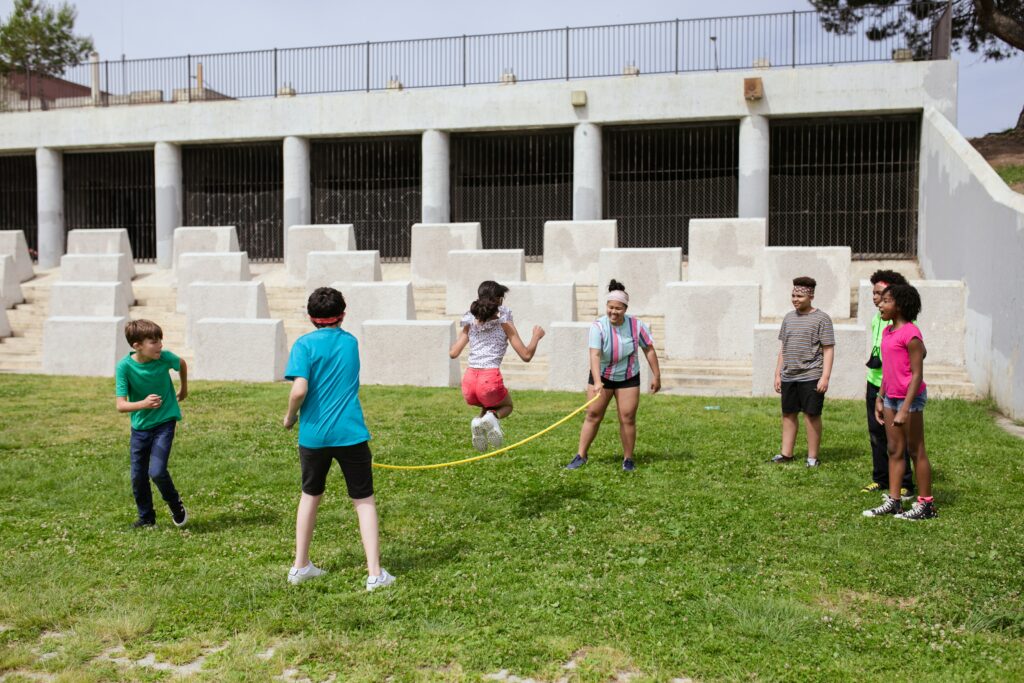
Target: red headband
[885, 285]
[326, 321]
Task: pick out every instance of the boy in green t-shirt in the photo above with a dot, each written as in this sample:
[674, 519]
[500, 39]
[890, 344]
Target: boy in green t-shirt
[144, 389]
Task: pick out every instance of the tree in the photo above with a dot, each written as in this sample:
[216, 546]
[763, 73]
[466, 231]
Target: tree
[992, 28]
[39, 38]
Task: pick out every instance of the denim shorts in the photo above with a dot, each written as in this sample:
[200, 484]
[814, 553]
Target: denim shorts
[916, 407]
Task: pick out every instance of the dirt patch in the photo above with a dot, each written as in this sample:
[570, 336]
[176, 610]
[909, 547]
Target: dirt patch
[1002, 149]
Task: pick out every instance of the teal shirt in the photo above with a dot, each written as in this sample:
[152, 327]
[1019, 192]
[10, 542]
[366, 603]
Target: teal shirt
[135, 381]
[877, 325]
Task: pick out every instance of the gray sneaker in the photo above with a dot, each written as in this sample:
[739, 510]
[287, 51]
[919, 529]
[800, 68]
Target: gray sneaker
[380, 581]
[578, 461]
[310, 571]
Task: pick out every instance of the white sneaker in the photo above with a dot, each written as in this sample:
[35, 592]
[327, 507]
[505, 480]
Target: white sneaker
[375, 582]
[310, 571]
[495, 437]
[476, 426]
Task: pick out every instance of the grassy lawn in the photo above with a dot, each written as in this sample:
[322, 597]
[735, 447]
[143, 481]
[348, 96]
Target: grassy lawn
[1011, 175]
[704, 563]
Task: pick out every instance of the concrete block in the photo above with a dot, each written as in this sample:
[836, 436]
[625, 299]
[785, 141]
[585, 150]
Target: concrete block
[303, 239]
[237, 300]
[188, 240]
[766, 347]
[413, 352]
[572, 249]
[431, 243]
[228, 266]
[644, 272]
[98, 268]
[13, 242]
[830, 266]
[711, 321]
[392, 300]
[540, 304]
[325, 267]
[847, 379]
[94, 299]
[727, 249]
[107, 241]
[10, 286]
[234, 349]
[86, 346]
[943, 303]
[568, 342]
[5, 324]
[467, 268]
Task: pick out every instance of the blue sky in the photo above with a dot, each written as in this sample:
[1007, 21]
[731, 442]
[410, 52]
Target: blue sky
[991, 94]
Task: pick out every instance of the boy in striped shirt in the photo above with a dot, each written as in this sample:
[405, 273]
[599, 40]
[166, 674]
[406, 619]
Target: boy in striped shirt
[803, 369]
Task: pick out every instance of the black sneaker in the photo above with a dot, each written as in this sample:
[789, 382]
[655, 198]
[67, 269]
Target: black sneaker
[889, 506]
[628, 465]
[179, 514]
[920, 511]
[143, 523]
[781, 459]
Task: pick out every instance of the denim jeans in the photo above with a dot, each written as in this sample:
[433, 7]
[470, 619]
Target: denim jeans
[880, 447]
[150, 450]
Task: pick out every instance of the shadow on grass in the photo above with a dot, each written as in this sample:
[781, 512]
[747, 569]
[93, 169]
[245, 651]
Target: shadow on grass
[404, 558]
[227, 521]
[539, 502]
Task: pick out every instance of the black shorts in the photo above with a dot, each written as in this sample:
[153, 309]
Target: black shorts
[627, 383]
[802, 397]
[356, 464]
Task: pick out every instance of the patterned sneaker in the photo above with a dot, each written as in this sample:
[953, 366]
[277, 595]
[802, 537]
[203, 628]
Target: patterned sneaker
[628, 465]
[375, 582]
[577, 462]
[889, 506]
[919, 511]
[780, 459]
[873, 487]
[495, 437]
[476, 426]
[310, 571]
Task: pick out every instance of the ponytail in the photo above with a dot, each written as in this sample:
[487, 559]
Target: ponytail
[489, 294]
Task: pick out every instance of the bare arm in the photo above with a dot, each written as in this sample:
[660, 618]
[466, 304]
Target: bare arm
[525, 352]
[150, 402]
[652, 360]
[460, 342]
[828, 355]
[298, 394]
[778, 372]
[183, 380]
[595, 366]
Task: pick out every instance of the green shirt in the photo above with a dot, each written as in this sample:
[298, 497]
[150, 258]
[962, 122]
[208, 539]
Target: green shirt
[135, 381]
[877, 325]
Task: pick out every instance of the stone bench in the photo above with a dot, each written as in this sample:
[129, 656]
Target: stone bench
[431, 242]
[106, 241]
[829, 266]
[233, 349]
[228, 266]
[325, 267]
[98, 268]
[392, 300]
[568, 343]
[572, 249]
[13, 242]
[302, 239]
[10, 286]
[196, 239]
[726, 250]
[540, 304]
[848, 372]
[467, 268]
[85, 346]
[711, 321]
[413, 352]
[644, 272]
[237, 300]
[93, 299]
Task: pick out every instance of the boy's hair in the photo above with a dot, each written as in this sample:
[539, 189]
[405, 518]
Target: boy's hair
[889, 277]
[804, 281]
[138, 331]
[486, 305]
[907, 300]
[615, 285]
[325, 303]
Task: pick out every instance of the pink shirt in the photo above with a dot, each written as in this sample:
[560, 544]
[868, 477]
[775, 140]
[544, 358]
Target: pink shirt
[896, 374]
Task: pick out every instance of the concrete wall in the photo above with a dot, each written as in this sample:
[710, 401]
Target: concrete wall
[829, 266]
[83, 346]
[971, 227]
[540, 304]
[423, 360]
[13, 243]
[218, 355]
[572, 249]
[710, 321]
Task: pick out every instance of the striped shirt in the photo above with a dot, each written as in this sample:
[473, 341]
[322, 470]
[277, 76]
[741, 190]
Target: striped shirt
[487, 340]
[620, 359]
[803, 336]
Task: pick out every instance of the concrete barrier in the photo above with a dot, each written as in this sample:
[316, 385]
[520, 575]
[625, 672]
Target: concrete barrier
[644, 272]
[325, 267]
[540, 304]
[572, 249]
[726, 250]
[830, 266]
[943, 303]
[568, 343]
[190, 240]
[94, 299]
[431, 243]
[106, 241]
[467, 268]
[10, 287]
[237, 300]
[413, 352]
[229, 266]
[13, 242]
[303, 239]
[392, 300]
[5, 324]
[85, 346]
[711, 321]
[98, 268]
[847, 378]
[240, 350]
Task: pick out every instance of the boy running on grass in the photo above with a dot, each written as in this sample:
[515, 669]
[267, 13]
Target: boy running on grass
[803, 369]
[324, 369]
[143, 388]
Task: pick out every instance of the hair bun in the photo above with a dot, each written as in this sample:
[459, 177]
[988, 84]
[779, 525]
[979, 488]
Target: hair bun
[615, 285]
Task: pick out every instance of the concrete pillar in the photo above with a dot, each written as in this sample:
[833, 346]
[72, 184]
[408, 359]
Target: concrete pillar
[587, 204]
[297, 197]
[436, 183]
[50, 205]
[753, 182]
[94, 65]
[167, 159]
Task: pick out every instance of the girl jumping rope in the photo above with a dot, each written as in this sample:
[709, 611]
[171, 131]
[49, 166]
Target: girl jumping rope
[488, 329]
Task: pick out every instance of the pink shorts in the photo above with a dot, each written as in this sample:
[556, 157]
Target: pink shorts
[483, 387]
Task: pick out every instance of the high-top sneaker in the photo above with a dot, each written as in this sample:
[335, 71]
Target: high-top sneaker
[889, 506]
[920, 511]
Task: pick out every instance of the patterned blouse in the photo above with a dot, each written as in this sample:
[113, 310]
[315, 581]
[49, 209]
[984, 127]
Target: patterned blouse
[487, 341]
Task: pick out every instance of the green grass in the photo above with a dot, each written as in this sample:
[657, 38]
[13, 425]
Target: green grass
[706, 562]
[1011, 174]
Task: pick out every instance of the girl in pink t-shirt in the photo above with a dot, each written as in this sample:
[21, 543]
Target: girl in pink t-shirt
[901, 400]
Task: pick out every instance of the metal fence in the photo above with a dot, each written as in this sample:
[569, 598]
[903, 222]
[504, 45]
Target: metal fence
[852, 182]
[372, 183]
[680, 45]
[240, 185]
[511, 183]
[18, 207]
[113, 190]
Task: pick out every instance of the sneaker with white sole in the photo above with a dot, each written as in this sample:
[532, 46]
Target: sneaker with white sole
[476, 426]
[179, 515]
[919, 511]
[890, 506]
[310, 571]
[380, 581]
[495, 437]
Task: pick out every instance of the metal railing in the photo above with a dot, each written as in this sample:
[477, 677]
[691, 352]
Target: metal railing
[788, 39]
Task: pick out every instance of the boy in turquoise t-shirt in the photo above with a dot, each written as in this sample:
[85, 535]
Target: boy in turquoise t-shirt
[144, 389]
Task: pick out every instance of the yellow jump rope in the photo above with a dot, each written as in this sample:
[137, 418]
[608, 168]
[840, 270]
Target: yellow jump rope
[492, 453]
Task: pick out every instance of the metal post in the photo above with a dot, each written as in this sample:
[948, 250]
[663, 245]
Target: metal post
[28, 81]
[793, 36]
[367, 66]
[275, 72]
[566, 53]
[188, 80]
[463, 60]
[677, 46]
[106, 79]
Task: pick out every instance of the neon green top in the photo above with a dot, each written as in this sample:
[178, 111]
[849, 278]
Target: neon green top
[877, 325]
